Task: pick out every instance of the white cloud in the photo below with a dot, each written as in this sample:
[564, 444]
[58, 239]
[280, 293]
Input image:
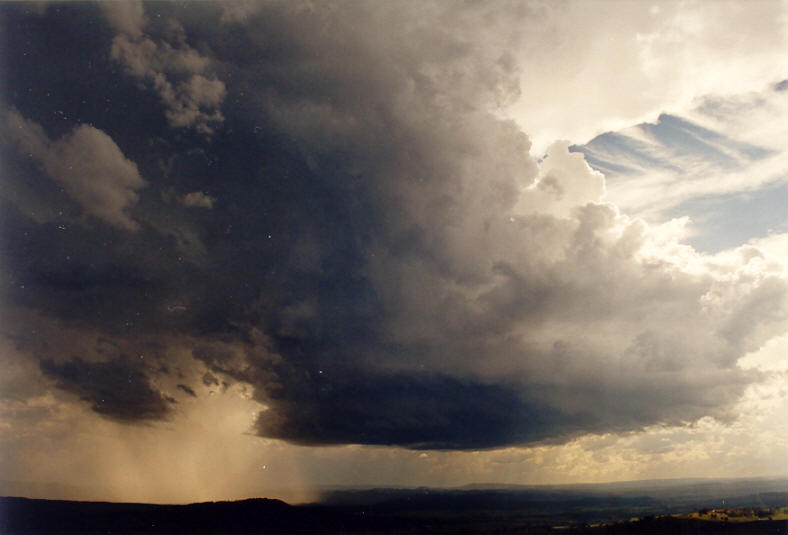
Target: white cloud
[192, 103]
[238, 10]
[198, 199]
[126, 16]
[590, 67]
[565, 182]
[175, 70]
[88, 164]
[772, 357]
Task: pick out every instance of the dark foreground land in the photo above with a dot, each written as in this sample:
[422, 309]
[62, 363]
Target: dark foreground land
[622, 509]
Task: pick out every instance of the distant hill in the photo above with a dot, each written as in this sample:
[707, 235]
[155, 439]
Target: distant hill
[660, 496]
[680, 526]
[465, 511]
[22, 515]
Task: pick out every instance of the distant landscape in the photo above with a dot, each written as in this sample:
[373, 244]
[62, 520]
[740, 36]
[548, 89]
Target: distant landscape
[665, 506]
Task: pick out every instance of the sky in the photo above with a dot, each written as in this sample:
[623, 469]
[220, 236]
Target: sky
[262, 248]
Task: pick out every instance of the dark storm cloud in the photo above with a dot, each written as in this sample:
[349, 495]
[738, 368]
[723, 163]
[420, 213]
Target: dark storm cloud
[382, 261]
[420, 411]
[118, 389]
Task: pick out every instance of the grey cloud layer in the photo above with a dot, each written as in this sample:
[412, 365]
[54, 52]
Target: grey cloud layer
[384, 262]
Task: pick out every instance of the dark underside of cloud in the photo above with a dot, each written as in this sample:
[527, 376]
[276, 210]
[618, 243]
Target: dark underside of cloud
[117, 389]
[421, 412]
[365, 252]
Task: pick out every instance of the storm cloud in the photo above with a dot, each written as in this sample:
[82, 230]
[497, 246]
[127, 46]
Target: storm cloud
[383, 261]
[118, 388]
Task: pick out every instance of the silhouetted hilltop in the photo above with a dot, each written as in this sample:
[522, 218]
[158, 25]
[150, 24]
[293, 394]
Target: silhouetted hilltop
[22, 515]
[681, 526]
[598, 510]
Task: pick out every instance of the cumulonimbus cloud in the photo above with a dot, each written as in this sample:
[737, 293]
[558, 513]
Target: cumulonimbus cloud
[389, 264]
[476, 285]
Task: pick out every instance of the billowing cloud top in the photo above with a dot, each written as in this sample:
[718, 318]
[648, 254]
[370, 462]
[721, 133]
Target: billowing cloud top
[383, 261]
